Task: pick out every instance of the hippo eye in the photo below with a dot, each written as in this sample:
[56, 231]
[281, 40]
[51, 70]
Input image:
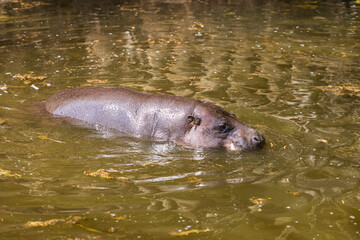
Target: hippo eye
[223, 127]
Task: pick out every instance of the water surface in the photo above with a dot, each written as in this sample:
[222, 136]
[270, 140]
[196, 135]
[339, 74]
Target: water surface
[290, 69]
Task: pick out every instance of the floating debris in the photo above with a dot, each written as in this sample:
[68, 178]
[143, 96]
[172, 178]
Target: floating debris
[4, 88]
[102, 173]
[259, 203]
[165, 40]
[125, 9]
[348, 89]
[44, 137]
[193, 179]
[117, 218]
[26, 6]
[293, 193]
[323, 140]
[185, 233]
[29, 78]
[99, 173]
[123, 179]
[98, 81]
[44, 223]
[8, 173]
[70, 220]
[34, 87]
[74, 219]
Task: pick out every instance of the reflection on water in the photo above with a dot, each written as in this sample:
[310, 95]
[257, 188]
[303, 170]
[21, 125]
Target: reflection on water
[275, 64]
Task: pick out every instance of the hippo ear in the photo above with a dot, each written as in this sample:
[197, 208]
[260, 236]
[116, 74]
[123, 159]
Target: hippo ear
[193, 121]
[197, 121]
[190, 120]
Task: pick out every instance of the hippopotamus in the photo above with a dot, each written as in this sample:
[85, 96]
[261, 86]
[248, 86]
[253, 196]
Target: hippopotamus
[157, 117]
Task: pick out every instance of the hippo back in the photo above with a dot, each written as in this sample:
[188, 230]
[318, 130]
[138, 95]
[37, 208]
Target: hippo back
[126, 111]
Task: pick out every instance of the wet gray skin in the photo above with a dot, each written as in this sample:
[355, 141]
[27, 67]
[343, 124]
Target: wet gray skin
[157, 117]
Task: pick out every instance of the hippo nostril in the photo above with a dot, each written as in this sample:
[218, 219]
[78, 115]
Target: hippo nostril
[256, 139]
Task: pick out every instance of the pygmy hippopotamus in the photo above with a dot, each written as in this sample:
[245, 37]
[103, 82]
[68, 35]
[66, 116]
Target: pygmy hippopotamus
[156, 116]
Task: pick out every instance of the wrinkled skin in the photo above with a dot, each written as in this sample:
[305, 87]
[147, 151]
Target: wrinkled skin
[158, 117]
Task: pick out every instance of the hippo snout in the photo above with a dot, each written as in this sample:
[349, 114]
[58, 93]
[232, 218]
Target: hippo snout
[248, 140]
[258, 140]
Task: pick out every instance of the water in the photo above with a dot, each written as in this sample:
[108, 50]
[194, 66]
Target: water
[289, 69]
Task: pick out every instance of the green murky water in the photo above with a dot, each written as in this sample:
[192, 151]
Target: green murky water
[290, 69]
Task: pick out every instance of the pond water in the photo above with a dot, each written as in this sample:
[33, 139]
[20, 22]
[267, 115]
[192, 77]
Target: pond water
[290, 69]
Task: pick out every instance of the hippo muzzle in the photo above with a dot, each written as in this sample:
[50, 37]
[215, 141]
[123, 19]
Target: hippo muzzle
[241, 140]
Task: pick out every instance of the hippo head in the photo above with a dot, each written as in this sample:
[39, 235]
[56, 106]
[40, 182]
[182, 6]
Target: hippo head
[211, 126]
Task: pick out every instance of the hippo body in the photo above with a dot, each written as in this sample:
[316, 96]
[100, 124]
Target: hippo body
[157, 117]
